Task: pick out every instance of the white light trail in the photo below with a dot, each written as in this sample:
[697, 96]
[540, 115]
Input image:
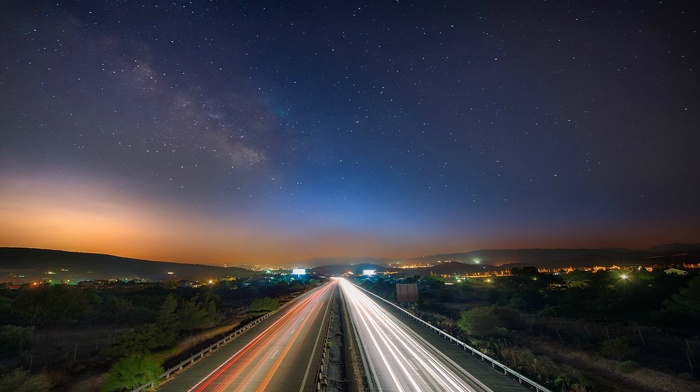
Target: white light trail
[399, 359]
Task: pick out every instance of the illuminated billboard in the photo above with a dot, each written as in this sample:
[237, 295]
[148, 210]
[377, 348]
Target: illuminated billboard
[369, 272]
[299, 271]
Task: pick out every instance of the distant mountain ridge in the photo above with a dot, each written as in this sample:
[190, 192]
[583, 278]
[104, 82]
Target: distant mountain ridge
[532, 256]
[676, 247]
[34, 264]
[325, 261]
[491, 259]
[356, 269]
[17, 264]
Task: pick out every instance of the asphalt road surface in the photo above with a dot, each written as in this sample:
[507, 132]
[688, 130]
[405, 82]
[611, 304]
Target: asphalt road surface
[281, 353]
[397, 357]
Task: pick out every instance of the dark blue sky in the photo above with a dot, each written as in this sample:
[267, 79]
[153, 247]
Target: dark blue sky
[276, 131]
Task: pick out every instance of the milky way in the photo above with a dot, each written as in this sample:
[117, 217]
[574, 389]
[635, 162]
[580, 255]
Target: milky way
[274, 132]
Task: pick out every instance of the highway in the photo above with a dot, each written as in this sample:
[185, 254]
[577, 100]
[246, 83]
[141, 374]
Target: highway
[283, 356]
[397, 358]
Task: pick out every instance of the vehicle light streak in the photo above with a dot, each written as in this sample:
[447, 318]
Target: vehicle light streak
[398, 358]
[266, 362]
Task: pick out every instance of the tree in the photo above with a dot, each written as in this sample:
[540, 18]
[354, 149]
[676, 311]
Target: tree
[192, 316]
[687, 300]
[189, 315]
[167, 313]
[618, 348]
[145, 339]
[212, 312]
[54, 305]
[480, 321]
[131, 372]
[579, 279]
[526, 272]
[265, 304]
[14, 339]
[432, 281]
[112, 309]
[19, 380]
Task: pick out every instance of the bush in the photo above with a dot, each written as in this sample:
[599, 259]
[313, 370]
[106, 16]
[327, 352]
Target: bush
[618, 348]
[480, 321]
[145, 339]
[14, 339]
[19, 380]
[132, 372]
[54, 305]
[627, 366]
[265, 304]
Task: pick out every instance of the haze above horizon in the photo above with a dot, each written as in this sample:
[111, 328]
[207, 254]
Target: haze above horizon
[269, 132]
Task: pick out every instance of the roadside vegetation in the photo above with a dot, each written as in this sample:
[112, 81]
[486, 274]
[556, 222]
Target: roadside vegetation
[116, 336]
[582, 331]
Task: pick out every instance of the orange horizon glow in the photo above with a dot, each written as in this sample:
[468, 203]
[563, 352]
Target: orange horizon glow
[85, 215]
[80, 216]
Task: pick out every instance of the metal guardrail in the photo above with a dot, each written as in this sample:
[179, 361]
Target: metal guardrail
[369, 379]
[321, 384]
[189, 361]
[466, 347]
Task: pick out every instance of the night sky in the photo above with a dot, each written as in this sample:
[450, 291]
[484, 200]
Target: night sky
[273, 132]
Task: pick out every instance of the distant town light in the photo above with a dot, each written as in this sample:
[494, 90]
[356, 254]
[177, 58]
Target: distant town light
[299, 271]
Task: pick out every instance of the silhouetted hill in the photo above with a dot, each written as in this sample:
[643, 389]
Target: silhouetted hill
[340, 269]
[538, 257]
[22, 264]
[675, 254]
[449, 268]
[553, 258]
[321, 262]
[675, 248]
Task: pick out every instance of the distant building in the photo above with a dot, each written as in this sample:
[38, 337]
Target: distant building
[187, 283]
